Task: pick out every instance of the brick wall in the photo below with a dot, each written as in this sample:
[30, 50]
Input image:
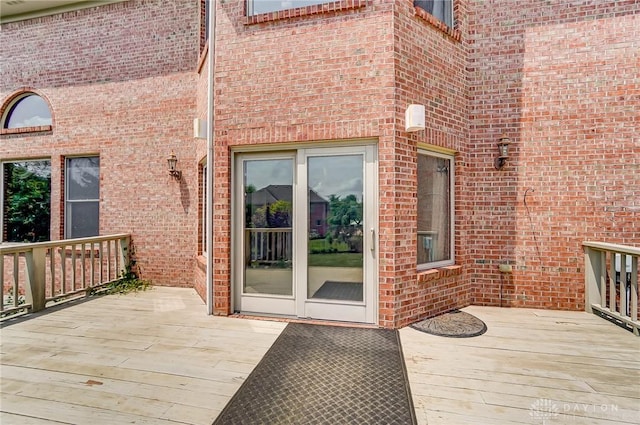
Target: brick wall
[346, 74]
[562, 81]
[121, 83]
[429, 63]
[318, 77]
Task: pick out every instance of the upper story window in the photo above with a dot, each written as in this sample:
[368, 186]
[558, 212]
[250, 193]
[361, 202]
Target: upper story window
[204, 22]
[435, 210]
[257, 7]
[440, 9]
[27, 110]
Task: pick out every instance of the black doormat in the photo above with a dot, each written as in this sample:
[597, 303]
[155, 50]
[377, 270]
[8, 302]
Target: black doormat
[343, 291]
[315, 374]
[454, 324]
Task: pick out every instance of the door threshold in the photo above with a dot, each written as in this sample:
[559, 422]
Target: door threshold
[291, 319]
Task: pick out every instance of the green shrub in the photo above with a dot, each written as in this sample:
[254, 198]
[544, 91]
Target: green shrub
[128, 282]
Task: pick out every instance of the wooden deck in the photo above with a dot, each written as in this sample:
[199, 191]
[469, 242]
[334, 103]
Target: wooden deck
[156, 358]
[153, 357]
[530, 367]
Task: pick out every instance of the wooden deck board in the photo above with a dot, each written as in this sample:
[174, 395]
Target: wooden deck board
[585, 368]
[150, 358]
[155, 357]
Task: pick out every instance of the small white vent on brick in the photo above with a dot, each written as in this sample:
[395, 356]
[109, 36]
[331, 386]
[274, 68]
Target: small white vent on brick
[414, 118]
[199, 128]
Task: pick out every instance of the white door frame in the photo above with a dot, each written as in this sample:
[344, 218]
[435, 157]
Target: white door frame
[298, 305]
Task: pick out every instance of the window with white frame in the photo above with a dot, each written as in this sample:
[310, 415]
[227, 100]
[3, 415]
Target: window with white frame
[82, 197]
[435, 210]
[440, 9]
[204, 21]
[26, 200]
[256, 7]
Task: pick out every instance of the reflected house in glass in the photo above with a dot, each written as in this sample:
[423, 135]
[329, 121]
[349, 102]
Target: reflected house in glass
[263, 200]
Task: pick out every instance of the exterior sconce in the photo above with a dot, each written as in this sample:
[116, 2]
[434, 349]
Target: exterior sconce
[414, 118]
[503, 148]
[172, 160]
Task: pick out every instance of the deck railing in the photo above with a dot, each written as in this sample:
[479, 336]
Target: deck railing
[611, 282]
[269, 245]
[34, 276]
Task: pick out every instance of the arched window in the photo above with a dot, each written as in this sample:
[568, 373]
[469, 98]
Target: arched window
[27, 110]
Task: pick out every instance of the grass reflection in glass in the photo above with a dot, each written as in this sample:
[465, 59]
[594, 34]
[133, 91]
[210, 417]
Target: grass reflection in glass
[335, 254]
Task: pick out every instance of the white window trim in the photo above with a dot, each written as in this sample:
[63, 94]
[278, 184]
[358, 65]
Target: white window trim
[251, 12]
[67, 201]
[452, 260]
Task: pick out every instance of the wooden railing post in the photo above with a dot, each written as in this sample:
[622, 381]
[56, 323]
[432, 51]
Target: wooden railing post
[35, 260]
[592, 277]
[123, 256]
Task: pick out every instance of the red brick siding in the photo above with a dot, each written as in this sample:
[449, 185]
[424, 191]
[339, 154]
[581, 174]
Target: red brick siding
[314, 78]
[559, 79]
[331, 76]
[200, 278]
[429, 70]
[121, 82]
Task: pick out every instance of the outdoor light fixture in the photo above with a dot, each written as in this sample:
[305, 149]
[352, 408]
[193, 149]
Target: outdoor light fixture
[503, 148]
[173, 160]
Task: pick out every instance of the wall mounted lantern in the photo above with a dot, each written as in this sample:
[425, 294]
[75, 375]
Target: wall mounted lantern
[172, 160]
[503, 148]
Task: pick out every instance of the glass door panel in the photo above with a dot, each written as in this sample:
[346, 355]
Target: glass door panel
[335, 228]
[267, 230]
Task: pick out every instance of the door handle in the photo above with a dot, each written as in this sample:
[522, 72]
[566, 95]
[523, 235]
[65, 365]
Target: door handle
[373, 240]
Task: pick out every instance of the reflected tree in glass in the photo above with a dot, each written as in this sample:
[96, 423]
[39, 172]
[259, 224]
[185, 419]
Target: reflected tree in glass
[27, 201]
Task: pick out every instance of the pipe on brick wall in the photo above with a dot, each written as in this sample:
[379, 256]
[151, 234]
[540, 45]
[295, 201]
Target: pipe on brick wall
[211, 60]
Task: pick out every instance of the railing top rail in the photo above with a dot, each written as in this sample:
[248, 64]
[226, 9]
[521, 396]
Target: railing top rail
[21, 247]
[269, 229]
[603, 246]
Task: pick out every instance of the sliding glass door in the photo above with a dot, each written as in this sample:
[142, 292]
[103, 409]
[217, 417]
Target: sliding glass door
[306, 244]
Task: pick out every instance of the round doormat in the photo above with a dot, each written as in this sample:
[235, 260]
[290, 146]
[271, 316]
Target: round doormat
[454, 324]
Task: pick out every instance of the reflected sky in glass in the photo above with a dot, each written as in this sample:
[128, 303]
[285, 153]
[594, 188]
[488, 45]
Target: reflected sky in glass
[30, 111]
[262, 173]
[84, 178]
[336, 175]
[328, 175]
